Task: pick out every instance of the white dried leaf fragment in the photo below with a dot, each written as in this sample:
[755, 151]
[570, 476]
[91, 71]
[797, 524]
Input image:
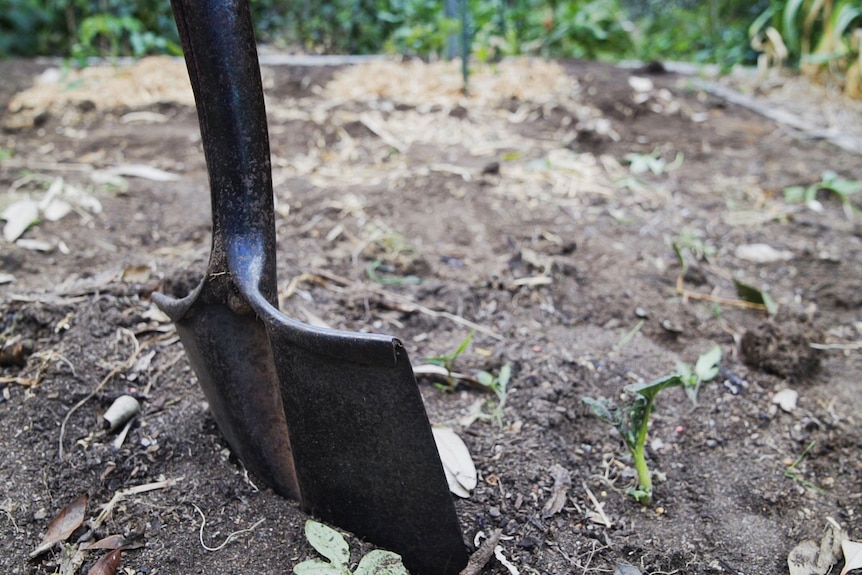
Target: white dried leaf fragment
[19, 216]
[852, 555]
[762, 254]
[143, 171]
[786, 399]
[457, 463]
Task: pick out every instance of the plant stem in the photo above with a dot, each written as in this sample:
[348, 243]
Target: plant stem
[639, 457]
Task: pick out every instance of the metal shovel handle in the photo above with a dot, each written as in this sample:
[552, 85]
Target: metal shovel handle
[218, 43]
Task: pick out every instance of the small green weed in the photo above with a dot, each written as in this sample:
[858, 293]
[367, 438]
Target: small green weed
[391, 255]
[447, 362]
[632, 421]
[499, 384]
[704, 370]
[632, 418]
[792, 470]
[829, 182]
[329, 543]
[693, 241]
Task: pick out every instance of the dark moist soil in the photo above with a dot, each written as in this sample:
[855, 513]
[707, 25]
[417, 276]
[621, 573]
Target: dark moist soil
[580, 289]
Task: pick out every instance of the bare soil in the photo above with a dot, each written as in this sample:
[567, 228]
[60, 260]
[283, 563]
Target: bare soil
[519, 214]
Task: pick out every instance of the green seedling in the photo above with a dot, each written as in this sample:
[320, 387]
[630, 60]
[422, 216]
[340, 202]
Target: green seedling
[632, 422]
[704, 370]
[447, 362]
[330, 543]
[499, 384]
[696, 245]
[792, 470]
[390, 252]
[829, 182]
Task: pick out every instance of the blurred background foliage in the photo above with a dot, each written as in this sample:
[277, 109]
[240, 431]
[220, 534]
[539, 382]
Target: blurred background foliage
[820, 36]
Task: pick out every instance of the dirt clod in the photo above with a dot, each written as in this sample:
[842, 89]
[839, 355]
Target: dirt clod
[784, 350]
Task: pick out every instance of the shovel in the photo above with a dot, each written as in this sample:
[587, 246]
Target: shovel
[331, 418]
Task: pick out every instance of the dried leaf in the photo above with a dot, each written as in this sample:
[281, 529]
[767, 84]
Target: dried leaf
[19, 216]
[560, 491]
[78, 197]
[762, 253]
[64, 524]
[143, 171]
[813, 558]
[56, 209]
[110, 542]
[35, 245]
[852, 555]
[802, 559]
[457, 463]
[786, 399]
[138, 274]
[107, 564]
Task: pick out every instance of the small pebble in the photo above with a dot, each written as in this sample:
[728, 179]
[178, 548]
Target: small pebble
[711, 443]
[494, 511]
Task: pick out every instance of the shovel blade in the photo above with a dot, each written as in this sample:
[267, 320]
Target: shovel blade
[232, 358]
[365, 456]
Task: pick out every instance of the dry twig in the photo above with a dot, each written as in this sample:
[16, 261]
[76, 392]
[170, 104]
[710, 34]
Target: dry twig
[483, 554]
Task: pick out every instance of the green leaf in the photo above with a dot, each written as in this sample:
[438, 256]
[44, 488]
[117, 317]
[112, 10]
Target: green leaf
[752, 294]
[683, 263]
[651, 389]
[798, 194]
[464, 344]
[706, 367]
[790, 25]
[485, 378]
[328, 542]
[600, 408]
[841, 186]
[759, 22]
[318, 567]
[642, 496]
[379, 562]
[504, 376]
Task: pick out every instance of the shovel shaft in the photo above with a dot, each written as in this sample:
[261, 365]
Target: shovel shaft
[218, 43]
